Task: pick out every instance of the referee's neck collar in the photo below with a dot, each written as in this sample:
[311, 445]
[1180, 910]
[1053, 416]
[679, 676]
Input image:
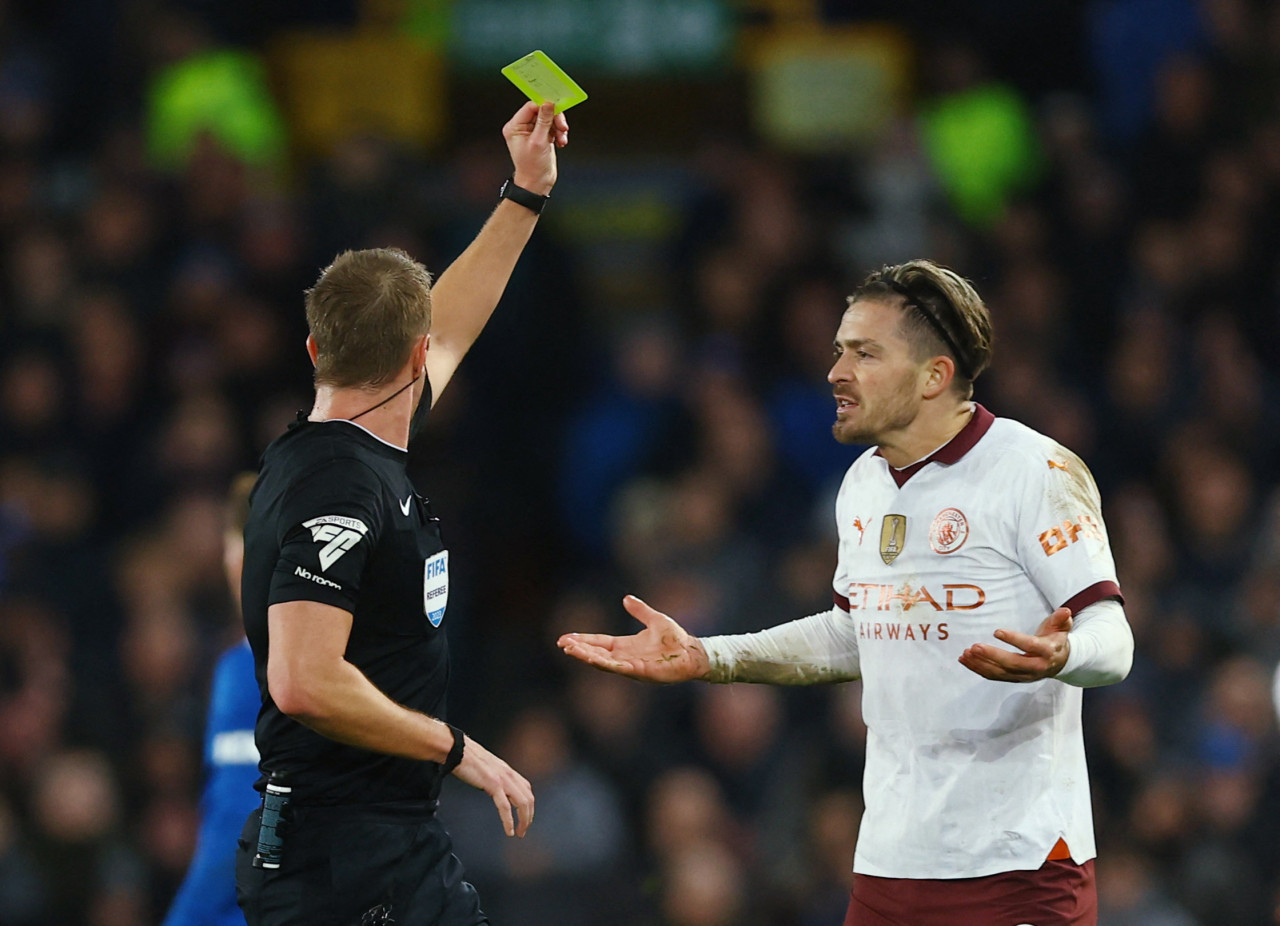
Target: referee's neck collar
[356, 424]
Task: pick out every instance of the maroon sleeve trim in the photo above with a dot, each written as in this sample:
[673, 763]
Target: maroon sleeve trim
[843, 603]
[1092, 595]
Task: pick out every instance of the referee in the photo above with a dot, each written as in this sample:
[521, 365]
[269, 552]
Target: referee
[346, 586]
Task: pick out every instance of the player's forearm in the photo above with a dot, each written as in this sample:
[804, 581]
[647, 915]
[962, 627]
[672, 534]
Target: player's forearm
[465, 295]
[812, 650]
[339, 702]
[1101, 647]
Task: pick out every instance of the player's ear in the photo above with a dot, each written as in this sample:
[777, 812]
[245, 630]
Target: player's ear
[939, 374]
[311, 349]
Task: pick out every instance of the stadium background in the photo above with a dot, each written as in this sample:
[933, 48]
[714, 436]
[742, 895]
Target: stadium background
[647, 411]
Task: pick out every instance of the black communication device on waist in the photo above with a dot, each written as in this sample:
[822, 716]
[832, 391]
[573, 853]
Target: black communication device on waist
[275, 798]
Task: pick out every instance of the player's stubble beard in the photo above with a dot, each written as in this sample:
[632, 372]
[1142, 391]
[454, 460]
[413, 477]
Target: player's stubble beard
[874, 422]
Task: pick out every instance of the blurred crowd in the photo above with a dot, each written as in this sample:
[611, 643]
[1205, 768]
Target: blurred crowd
[151, 339]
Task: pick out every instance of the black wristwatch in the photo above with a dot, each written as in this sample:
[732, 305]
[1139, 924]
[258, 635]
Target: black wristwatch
[518, 194]
[455, 754]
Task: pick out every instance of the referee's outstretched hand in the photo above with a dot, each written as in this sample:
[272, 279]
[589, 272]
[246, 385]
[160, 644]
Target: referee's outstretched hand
[1043, 654]
[512, 794]
[662, 652]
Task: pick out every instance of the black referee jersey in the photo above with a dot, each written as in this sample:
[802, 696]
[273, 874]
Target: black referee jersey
[334, 518]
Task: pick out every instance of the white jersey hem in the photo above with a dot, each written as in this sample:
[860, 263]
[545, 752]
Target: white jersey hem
[861, 867]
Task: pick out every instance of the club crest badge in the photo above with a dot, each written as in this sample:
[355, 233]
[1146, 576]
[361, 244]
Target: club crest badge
[893, 534]
[949, 531]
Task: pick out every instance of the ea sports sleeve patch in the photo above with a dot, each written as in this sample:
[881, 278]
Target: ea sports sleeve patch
[331, 522]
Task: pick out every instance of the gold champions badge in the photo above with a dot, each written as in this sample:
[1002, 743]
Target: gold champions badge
[893, 534]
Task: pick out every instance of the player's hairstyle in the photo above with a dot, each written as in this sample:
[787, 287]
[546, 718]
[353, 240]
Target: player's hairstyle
[942, 314]
[365, 312]
[236, 511]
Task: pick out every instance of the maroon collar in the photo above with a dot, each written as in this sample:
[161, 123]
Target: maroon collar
[950, 452]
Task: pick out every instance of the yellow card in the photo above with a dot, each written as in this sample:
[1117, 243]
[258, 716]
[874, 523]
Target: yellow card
[541, 79]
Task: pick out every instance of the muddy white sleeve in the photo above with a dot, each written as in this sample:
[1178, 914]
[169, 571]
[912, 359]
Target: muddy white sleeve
[819, 648]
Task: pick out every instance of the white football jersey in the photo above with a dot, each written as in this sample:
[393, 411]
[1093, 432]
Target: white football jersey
[965, 776]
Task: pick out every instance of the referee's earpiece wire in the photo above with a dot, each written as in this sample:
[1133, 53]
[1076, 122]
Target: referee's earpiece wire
[387, 399]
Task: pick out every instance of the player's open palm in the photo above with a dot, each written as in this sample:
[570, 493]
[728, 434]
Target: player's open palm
[1043, 654]
[512, 794]
[662, 652]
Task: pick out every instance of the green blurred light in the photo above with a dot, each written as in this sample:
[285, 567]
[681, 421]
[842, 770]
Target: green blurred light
[222, 93]
[983, 147]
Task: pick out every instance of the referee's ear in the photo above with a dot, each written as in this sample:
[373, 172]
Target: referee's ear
[418, 356]
[312, 351]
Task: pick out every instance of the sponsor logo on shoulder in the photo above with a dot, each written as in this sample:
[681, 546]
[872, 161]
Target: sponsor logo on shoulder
[319, 580]
[404, 506]
[338, 533]
[1061, 536]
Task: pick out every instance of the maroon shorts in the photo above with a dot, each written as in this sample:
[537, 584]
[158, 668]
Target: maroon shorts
[1059, 893]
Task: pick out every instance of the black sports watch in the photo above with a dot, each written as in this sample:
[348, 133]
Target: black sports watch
[455, 754]
[518, 194]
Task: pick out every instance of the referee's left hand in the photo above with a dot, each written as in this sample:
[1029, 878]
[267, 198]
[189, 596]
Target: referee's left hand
[533, 135]
[511, 792]
[1043, 654]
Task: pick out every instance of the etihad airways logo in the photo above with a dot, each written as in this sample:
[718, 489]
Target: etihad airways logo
[871, 596]
[338, 534]
[868, 630]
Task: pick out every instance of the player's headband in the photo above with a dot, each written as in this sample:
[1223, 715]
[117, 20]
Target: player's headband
[935, 323]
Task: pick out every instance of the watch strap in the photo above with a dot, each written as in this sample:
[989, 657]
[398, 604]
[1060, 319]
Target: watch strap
[455, 754]
[518, 194]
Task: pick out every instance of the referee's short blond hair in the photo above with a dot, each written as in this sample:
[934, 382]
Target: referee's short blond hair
[365, 312]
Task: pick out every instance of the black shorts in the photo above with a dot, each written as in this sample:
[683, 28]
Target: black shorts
[382, 865]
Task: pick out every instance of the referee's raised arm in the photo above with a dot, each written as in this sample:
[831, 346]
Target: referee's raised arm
[467, 292]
